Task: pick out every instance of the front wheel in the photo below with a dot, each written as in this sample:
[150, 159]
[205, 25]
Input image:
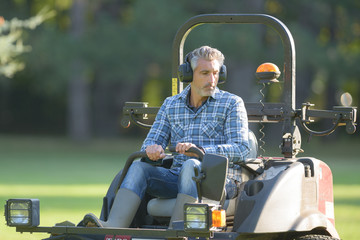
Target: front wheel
[315, 237]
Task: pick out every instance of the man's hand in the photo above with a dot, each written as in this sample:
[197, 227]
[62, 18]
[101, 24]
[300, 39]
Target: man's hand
[155, 152]
[183, 147]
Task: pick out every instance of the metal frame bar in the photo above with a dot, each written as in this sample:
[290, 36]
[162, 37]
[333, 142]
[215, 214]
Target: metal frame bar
[160, 233]
[277, 25]
[289, 123]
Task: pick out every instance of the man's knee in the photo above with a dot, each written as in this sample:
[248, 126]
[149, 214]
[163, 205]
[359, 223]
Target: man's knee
[138, 167]
[188, 168]
[135, 176]
[186, 182]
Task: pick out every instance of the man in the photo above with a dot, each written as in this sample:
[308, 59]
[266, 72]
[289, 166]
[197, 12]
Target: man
[200, 116]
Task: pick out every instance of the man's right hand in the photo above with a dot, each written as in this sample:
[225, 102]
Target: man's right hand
[155, 152]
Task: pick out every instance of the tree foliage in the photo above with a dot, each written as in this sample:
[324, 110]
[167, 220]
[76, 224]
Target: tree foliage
[11, 41]
[125, 51]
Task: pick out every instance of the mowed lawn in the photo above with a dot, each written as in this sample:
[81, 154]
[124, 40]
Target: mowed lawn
[70, 179]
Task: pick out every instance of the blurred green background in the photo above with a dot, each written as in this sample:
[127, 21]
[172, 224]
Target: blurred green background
[86, 58]
[68, 66]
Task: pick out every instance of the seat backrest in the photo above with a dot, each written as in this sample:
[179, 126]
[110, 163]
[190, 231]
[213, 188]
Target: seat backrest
[253, 144]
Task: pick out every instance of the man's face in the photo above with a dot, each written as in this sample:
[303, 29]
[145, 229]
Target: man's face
[205, 78]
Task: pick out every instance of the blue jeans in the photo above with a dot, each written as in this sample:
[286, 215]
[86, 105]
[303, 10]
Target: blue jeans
[161, 182]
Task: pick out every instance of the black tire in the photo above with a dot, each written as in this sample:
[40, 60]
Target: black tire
[315, 237]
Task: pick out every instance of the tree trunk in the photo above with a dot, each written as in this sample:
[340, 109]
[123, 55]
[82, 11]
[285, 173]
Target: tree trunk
[78, 88]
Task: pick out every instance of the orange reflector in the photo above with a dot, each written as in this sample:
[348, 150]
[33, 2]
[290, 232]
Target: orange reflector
[267, 67]
[219, 218]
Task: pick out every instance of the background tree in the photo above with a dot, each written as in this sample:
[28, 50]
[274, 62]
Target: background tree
[11, 48]
[11, 41]
[124, 50]
[78, 86]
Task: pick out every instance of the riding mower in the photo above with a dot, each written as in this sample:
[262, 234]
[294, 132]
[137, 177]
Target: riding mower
[284, 197]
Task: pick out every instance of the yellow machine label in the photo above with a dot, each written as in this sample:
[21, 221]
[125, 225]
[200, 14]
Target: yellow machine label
[174, 86]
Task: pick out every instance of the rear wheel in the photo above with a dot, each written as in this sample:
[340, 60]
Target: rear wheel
[315, 237]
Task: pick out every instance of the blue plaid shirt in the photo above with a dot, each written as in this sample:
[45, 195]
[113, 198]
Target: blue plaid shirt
[219, 126]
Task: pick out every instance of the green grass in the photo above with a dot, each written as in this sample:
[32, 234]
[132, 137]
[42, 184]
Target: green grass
[70, 179]
[347, 210]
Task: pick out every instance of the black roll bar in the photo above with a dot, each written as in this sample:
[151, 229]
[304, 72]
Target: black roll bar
[289, 58]
[277, 25]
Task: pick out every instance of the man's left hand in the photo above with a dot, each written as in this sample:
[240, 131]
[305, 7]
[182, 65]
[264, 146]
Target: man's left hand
[183, 147]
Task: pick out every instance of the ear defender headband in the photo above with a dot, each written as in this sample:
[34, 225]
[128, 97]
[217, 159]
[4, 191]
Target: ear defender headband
[185, 72]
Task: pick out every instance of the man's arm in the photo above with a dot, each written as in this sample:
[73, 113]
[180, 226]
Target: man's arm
[158, 136]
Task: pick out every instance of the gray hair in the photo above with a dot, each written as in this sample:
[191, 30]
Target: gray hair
[207, 53]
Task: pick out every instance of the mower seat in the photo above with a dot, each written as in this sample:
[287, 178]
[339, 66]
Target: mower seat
[163, 207]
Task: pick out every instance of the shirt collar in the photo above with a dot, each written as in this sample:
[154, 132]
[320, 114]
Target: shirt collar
[183, 95]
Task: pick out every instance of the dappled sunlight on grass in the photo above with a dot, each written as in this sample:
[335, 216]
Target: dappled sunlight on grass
[70, 179]
[347, 192]
[31, 191]
[347, 211]
[50, 215]
[58, 203]
[347, 220]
